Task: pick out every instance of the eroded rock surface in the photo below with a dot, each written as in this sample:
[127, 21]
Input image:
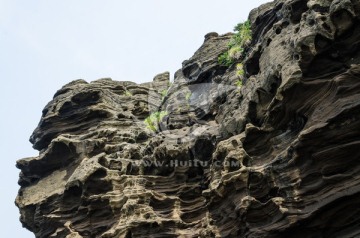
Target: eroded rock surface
[277, 158]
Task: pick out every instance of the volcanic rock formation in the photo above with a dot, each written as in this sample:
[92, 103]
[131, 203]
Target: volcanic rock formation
[278, 157]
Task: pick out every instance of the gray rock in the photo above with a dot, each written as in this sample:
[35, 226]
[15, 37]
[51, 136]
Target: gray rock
[276, 158]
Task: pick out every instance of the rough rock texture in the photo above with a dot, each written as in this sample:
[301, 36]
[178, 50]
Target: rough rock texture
[277, 158]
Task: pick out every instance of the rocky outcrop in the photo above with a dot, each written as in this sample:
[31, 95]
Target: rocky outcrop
[277, 157]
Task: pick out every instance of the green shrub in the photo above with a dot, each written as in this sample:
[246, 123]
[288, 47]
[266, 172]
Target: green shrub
[225, 60]
[244, 34]
[240, 40]
[152, 121]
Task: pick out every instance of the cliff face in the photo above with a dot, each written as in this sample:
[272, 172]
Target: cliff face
[278, 157]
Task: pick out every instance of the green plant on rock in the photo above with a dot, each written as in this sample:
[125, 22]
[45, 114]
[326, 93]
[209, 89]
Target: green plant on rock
[238, 83]
[128, 93]
[188, 96]
[240, 70]
[153, 120]
[238, 43]
[235, 51]
[244, 34]
[225, 60]
[164, 93]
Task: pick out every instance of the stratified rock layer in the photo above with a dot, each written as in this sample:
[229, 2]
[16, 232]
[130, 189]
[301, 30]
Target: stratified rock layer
[277, 158]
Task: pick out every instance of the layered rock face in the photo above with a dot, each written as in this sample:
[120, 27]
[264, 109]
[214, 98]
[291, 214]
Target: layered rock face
[278, 157]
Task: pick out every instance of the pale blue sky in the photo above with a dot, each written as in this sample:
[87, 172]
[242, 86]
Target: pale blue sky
[45, 44]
